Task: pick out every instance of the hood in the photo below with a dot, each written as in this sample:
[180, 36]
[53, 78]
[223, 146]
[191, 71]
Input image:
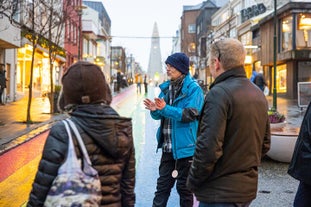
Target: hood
[102, 124]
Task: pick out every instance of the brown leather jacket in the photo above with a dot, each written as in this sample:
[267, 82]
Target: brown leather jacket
[109, 142]
[233, 135]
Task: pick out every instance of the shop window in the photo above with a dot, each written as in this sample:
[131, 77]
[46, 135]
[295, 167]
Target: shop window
[303, 31]
[281, 78]
[287, 33]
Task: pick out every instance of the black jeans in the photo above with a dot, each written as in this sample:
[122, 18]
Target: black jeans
[166, 182]
[224, 204]
[302, 198]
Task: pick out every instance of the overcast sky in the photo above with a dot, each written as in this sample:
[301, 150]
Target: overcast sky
[135, 18]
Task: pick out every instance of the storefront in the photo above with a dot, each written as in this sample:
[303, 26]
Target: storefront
[41, 70]
[293, 47]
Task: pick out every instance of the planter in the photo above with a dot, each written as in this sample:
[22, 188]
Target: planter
[283, 140]
[55, 99]
[277, 125]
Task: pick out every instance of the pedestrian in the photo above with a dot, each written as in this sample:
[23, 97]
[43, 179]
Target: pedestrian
[146, 84]
[254, 73]
[2, 84]
[178, 107]
[260, 81]
[233, 133]
[300, 165]
[86, 97]
[139, 82]
[119, 81]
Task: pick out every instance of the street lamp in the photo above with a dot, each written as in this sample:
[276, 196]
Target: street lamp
[274, 58]
[79, 10]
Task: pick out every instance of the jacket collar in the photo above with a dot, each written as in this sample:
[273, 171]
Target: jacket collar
[187, 80]
[234, 72]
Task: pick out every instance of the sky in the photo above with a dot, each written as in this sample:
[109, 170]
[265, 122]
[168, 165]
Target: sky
[132, 24]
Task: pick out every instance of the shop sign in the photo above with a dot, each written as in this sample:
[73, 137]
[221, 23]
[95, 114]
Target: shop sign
[252, 11]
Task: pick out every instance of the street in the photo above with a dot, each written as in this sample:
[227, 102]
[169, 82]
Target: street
[18, 166]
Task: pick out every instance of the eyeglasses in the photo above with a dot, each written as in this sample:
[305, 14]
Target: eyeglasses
[218, 50]
[215, 42]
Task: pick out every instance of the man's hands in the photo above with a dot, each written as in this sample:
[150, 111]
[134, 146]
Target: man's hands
[149, 105]
[158, 104]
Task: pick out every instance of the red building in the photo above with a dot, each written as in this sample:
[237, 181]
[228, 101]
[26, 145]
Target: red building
[73, 29]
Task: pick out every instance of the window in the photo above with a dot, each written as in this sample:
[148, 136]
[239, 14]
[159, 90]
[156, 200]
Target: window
[246, 38]
[281, 78]
[191, 28]
[303, 31]
[287, 33]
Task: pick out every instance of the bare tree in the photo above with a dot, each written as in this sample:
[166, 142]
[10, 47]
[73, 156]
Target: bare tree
[35, 25]
[59, 17]
[10, 9]
[42, 23]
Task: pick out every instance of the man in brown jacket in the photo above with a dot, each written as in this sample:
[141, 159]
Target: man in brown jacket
[233, 134]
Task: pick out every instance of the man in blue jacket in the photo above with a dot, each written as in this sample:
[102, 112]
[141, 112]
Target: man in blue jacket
[178, 107]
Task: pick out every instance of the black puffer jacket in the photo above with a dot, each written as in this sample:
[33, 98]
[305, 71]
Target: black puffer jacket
[109, 142]
[233, 135]
[300, 165]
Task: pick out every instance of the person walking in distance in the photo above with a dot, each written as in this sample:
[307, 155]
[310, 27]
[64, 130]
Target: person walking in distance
[139, 82]
[178, 107]
[233, 133]
[146, 84]
[2, 84]
[260, 81]
[300, 165]
[86, 98]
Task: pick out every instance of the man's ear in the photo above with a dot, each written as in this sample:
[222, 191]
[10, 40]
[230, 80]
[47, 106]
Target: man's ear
[217, 64]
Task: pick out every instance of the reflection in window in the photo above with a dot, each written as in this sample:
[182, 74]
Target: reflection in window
[287, 33]
[281, 78]
[304, 71]
[304, 31]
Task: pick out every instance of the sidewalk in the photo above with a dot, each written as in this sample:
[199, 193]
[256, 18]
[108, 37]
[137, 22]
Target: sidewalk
[14, 131]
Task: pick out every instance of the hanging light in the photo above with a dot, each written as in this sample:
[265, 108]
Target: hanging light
[304, 23]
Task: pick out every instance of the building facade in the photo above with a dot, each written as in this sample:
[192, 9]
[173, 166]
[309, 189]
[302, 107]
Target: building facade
[293, 46]
[96, 29]
[10, 40]
[255, 24]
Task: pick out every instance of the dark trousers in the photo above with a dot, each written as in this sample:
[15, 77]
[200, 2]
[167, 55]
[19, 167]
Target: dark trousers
[166, 182]
[146, 87]
[224, 204]
[303, 195]
[1, 92]
[138, 87]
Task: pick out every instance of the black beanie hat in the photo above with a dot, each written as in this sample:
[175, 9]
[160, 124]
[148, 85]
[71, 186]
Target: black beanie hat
[84, 83]
[180, 61]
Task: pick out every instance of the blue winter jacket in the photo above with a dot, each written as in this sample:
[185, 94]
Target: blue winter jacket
[184, 113]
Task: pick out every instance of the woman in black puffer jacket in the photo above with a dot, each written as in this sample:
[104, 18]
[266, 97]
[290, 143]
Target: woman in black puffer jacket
[108, 138]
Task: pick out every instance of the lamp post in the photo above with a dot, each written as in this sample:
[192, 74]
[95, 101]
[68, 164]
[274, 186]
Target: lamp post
[274, 58]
